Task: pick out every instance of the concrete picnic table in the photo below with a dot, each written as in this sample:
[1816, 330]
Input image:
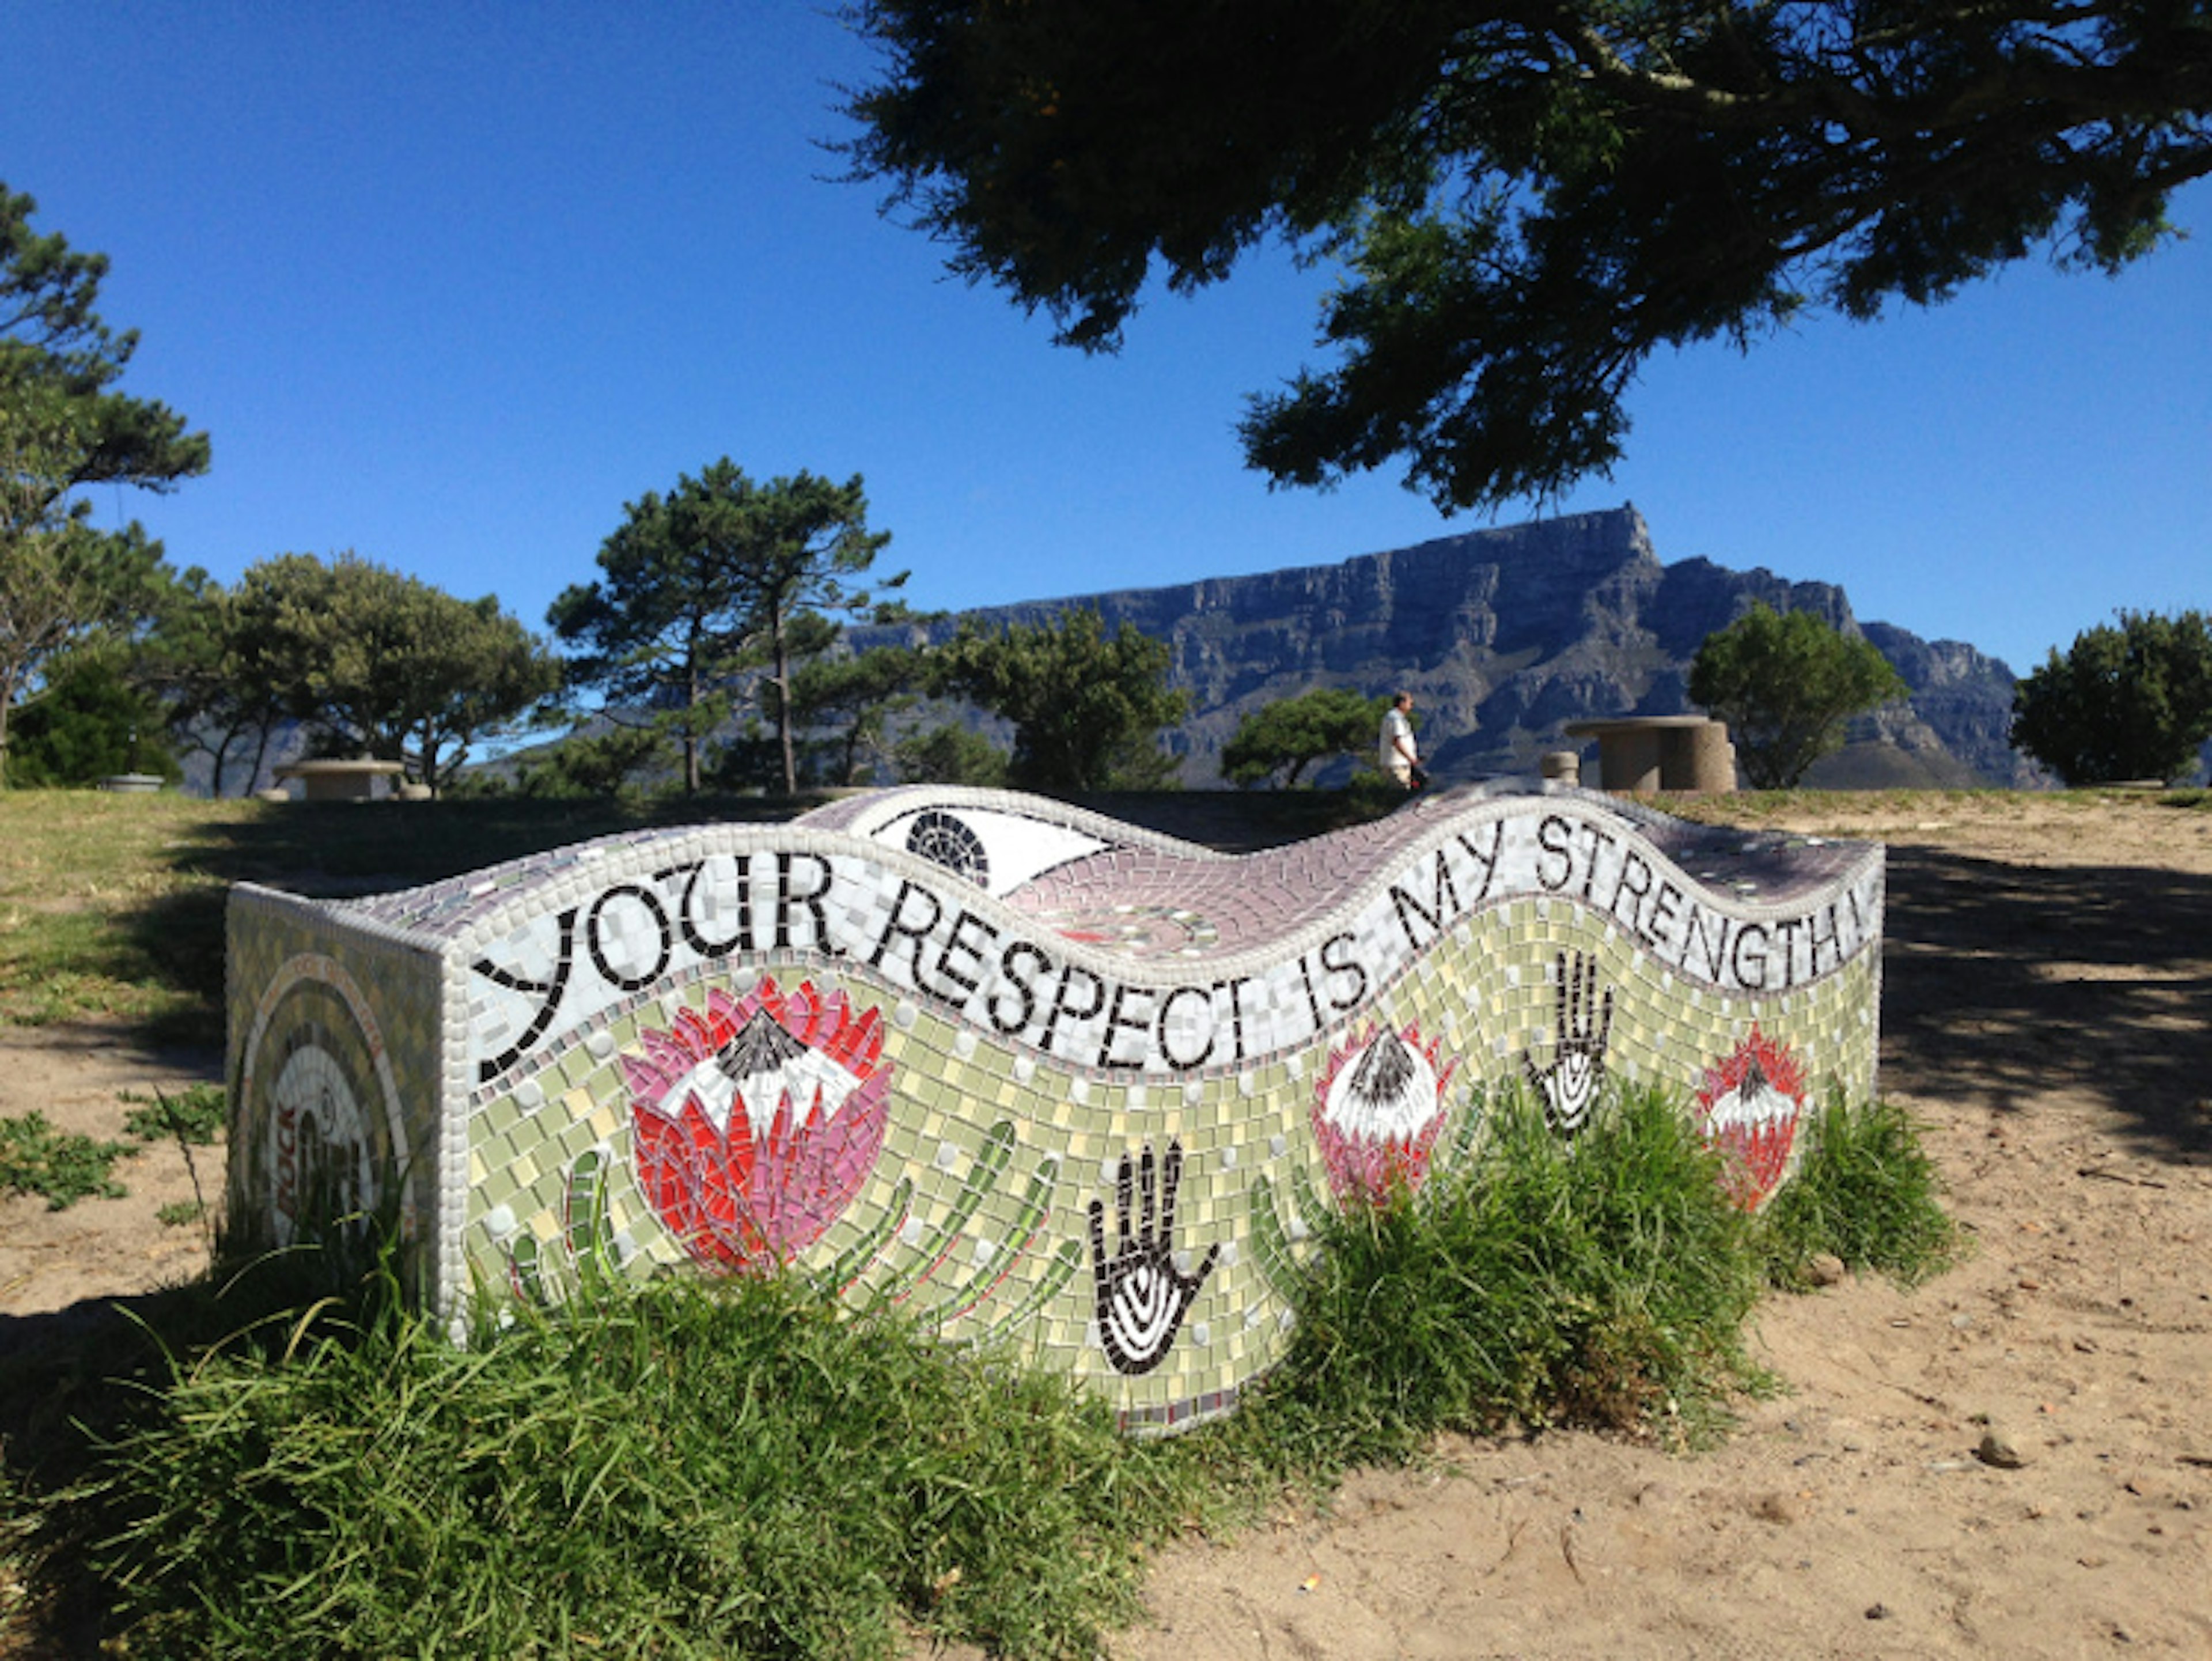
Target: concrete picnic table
[338, 780]
[1641, 754]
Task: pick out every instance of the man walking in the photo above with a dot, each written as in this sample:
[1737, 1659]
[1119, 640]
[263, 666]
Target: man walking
[1400, 759]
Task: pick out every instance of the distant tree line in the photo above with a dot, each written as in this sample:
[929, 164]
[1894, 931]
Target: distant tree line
[707, 646]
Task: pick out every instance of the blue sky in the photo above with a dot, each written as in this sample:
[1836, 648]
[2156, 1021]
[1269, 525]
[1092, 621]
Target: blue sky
[449, 284]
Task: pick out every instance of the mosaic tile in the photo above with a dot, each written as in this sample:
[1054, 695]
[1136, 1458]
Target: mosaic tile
[945, 1042]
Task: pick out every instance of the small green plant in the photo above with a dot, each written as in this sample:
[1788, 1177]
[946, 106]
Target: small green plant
[196, 1115]
[193, 1118]
[60, 1166]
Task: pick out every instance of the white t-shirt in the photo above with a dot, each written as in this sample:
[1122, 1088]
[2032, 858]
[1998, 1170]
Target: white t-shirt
[1396, 728]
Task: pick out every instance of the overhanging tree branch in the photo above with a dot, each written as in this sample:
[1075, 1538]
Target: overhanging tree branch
[1529, 199]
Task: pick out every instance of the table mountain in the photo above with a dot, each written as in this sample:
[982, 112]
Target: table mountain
[1505, 636]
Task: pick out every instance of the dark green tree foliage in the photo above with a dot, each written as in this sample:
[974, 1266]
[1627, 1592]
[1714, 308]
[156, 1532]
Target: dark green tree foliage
[193, 663]
[1787, 685]
[1290, 735]
[856, 696]
[808, 541]
[91, 723]
[712, 580]
[594, 765]
[52, 340]
[64, 586]
[2130, 701]
[1087, 709]
[1527, 198]
[377, 660]
[950, 755]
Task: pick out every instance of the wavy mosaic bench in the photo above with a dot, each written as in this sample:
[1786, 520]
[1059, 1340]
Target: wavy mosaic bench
[1039, 1076]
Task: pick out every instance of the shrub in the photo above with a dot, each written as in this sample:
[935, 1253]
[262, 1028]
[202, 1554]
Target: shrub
[1787, 685]
[744, 1467]
[684, 1468]
[2132, 701]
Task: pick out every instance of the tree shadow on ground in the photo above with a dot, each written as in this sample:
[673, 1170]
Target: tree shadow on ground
[2004, 983]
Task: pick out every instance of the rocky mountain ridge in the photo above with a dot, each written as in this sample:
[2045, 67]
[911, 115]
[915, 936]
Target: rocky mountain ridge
[1505, 636]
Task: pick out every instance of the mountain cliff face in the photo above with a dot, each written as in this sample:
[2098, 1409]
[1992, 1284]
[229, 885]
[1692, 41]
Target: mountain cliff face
[1502, 637]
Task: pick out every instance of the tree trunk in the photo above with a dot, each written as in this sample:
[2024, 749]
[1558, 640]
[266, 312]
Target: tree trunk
[260, 758]
[7, 707]
[217, 755]
[783, 699]
[691, 732]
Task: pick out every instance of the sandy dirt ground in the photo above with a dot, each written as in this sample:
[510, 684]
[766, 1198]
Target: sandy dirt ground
[2013, 1460]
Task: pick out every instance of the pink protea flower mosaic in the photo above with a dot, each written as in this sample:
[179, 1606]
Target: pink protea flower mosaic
[756, 1121]
[1377, 1112]
[1750, 1107]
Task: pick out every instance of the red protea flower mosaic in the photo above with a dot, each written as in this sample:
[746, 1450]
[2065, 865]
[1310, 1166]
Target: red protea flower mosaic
[1749, 1107]
[756, 1121]
[1378, 1110]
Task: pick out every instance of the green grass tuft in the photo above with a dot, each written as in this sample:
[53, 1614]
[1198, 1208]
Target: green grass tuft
[1865, 1192]
[685, 1469]
[1602, 1281]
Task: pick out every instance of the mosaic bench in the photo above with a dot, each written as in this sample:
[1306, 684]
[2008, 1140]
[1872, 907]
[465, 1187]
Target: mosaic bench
[1038, 1076]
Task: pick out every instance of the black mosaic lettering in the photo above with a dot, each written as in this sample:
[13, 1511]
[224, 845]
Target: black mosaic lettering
[1709, 931]
[1816, 939]
[1754, 936]
[1555, 859]
[549, 989]
[1062, 1008]
[812, 900]
[1336, 957]
[1118, 1022]
[1235, 989]
[895, 928]
[1598, 838]
[1186, 1063]
[740, 940]
[1010, 976]
[1633, 864]
[1487, 858]
[1434, 917]
[665, 944]
[968, 973]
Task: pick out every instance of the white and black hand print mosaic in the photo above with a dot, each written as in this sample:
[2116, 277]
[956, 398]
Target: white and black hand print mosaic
[1142, 1296]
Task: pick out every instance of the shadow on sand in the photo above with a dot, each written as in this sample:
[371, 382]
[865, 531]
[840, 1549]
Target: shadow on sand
[2005, 982]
